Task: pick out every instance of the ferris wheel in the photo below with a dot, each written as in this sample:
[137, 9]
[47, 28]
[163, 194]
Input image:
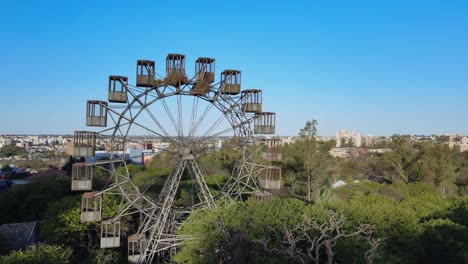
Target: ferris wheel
[183, 119]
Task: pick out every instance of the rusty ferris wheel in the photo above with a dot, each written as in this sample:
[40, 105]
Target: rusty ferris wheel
[188, 114]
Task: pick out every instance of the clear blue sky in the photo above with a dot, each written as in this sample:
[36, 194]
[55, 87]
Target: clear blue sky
[377, 67]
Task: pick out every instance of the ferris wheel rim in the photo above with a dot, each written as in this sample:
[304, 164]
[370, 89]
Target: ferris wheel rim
[213, 101]
[241, 121]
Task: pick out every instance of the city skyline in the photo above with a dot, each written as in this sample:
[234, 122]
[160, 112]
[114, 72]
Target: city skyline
[374, 68]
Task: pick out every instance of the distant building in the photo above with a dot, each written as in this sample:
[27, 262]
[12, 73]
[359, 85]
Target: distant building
[288, 140]
[132, 153]
[149, 146]
[160, 146]
[23, 144]
[369, 140]
[348, 137]
[325, 138]
[460, 141]
[9, 142]
[219, 144]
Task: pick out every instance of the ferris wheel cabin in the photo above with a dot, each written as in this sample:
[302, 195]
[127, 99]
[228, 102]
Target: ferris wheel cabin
[118, 89]
[205, 70]
[84, 144]
[204, 76]
[272, 152]
[175, 69]
[231, 82]
[91, 207]
[252, 101]
[146, 73]
[82, 177]
[110, 233]
[271, 178]
[136, 246]
[265, 123]
[96, 113]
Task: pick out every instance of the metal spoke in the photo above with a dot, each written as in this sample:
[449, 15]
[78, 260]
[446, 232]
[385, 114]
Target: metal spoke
[158, 124]
[199, 122]
[181, 121]
[215, 125]
[152, 131]
[171, 117]
[194, 114]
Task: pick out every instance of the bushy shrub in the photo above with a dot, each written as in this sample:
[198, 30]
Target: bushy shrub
[42, 254]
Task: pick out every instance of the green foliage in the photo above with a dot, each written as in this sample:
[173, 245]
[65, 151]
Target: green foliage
[418, 206]
[162, 161]
[309, 130]
[408, 161]
[444, 241]
[34, 164]
[307, 163]
[8, 151]
[42, 254]
[30, 200]
[402, 214]
[62, 222]
[150, 177]
[424, 200]
[432, 162]
[416, 221]
[458, 211]
[214, 182]
[228, 233]
[220, 161]
[103, 256]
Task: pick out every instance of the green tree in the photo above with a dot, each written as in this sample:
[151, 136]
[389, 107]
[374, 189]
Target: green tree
[227, 234]
[403, 213]
[9, 151]
[309, 130]
[443, 241]
[277, 231]
[32, 199]
[310, 159]
[436, 165]
[103, 256]
[42, 254]
[402, 158]
[62, 222]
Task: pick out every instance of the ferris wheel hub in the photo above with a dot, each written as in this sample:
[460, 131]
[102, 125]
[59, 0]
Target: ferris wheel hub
[187, 154]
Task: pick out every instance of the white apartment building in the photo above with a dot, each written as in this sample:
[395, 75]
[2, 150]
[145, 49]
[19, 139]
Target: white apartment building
[349, 137]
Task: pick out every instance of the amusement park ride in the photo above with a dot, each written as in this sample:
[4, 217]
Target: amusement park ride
[157, 105]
